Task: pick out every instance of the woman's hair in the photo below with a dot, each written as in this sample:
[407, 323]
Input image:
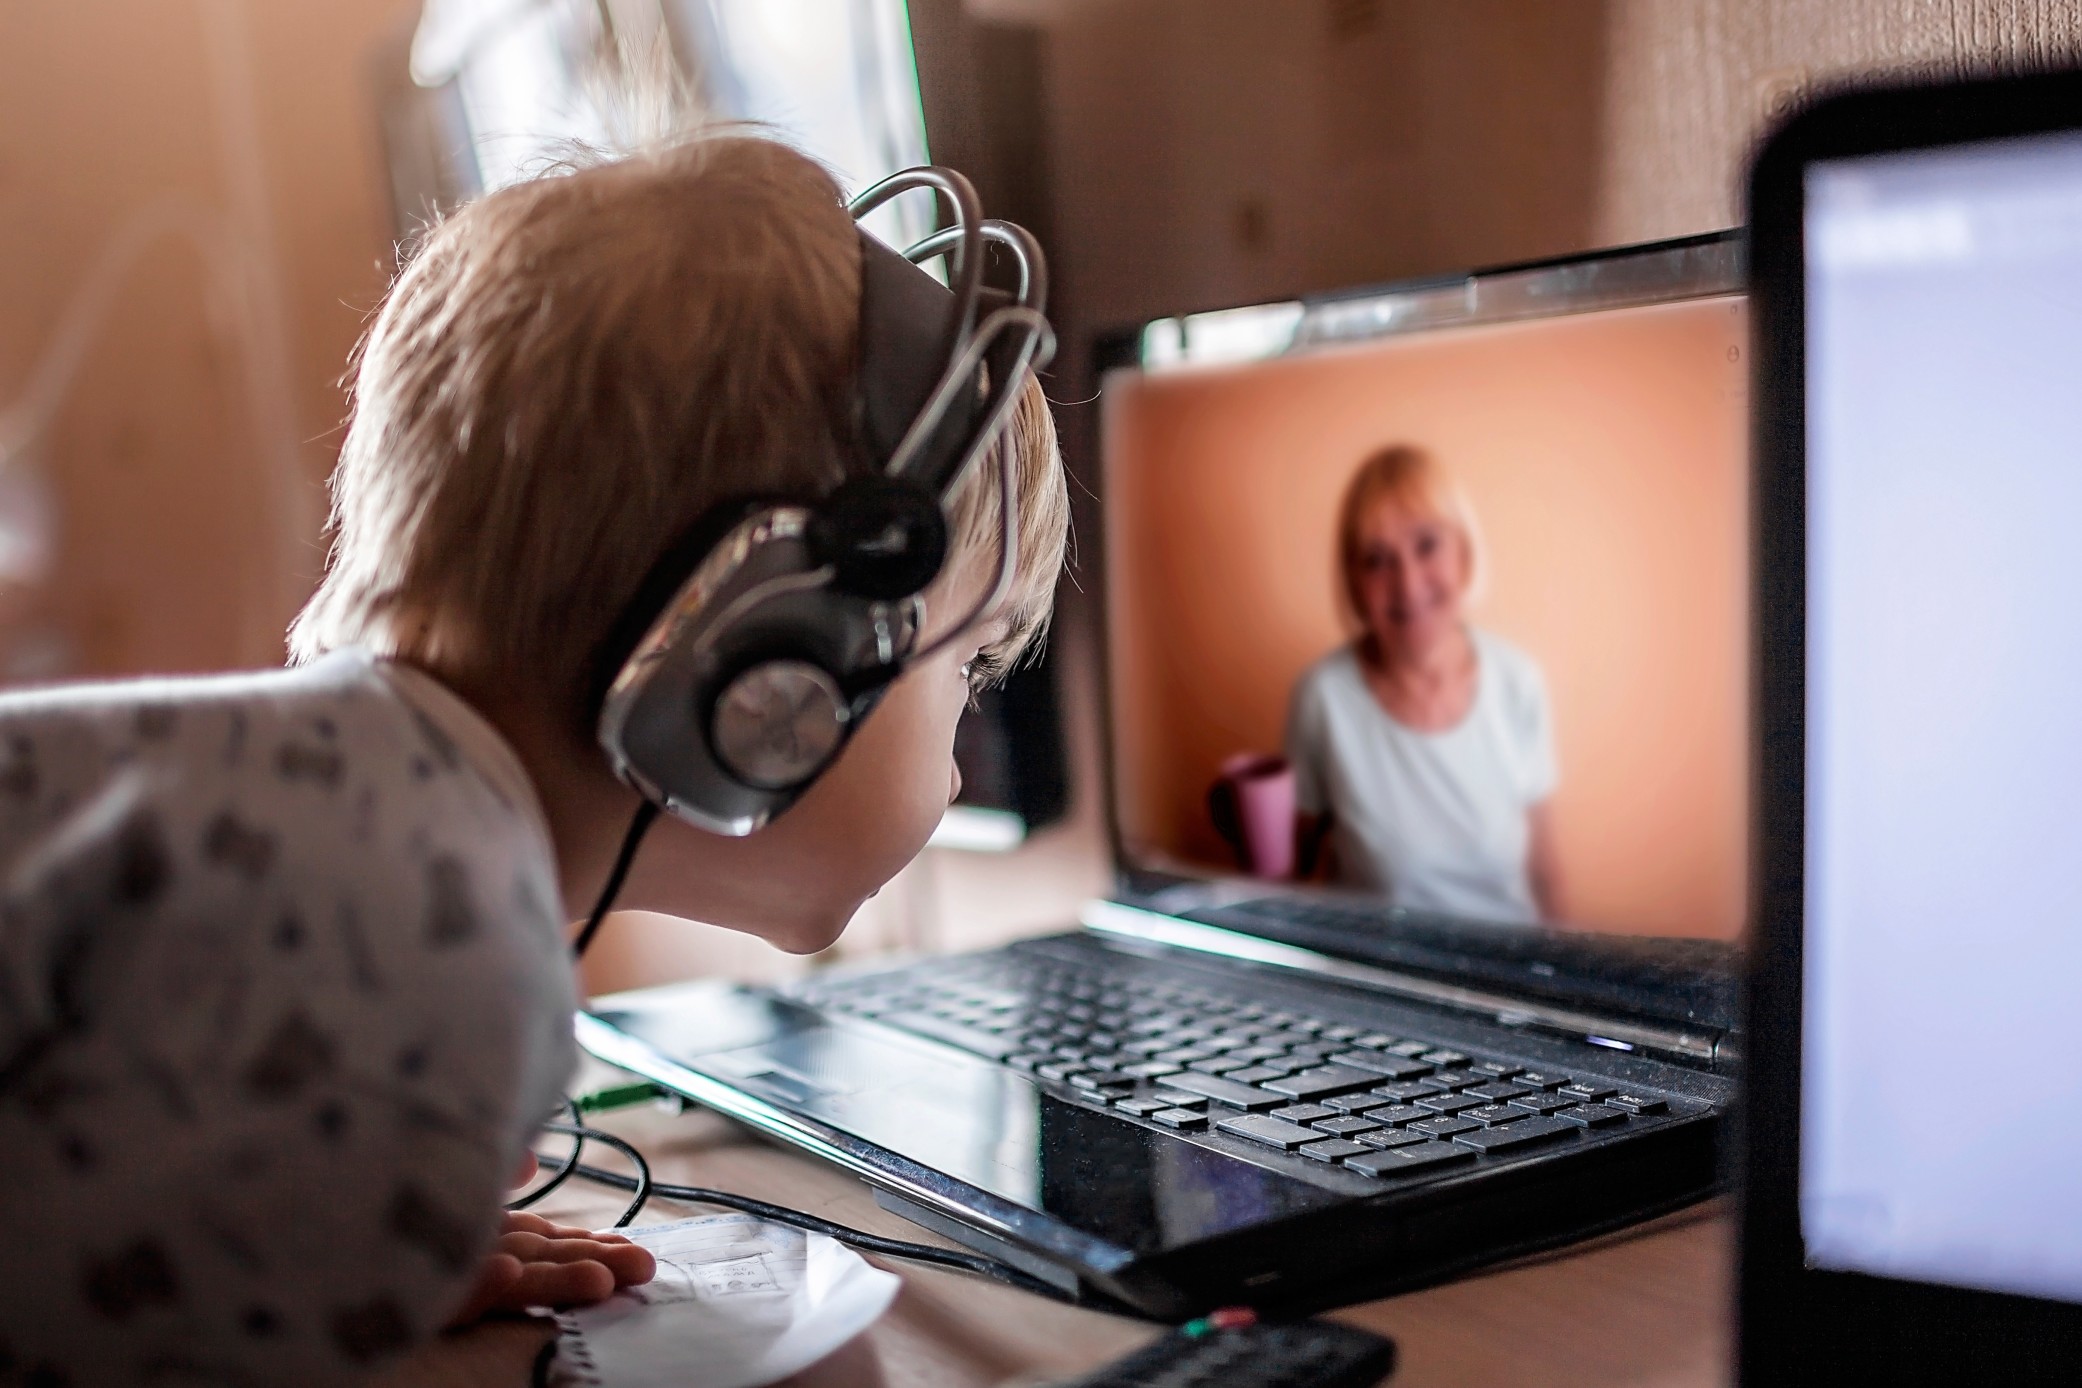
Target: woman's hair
[571, 371]
[1408, 477]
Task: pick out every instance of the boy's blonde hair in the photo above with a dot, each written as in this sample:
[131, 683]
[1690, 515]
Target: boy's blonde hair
[572, 371]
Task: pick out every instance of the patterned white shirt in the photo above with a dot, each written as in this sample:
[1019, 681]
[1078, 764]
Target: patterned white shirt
[283, 994]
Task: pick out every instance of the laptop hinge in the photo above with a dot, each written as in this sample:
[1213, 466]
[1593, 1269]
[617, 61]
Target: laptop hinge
[1689, 1047]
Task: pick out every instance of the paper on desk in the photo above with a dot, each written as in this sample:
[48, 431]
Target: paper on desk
[737, 1301]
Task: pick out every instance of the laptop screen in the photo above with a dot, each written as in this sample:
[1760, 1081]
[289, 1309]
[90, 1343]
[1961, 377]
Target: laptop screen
[1438, 597]
[1943, 943]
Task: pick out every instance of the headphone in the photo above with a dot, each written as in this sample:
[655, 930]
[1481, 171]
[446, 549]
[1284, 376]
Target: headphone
[760, 643]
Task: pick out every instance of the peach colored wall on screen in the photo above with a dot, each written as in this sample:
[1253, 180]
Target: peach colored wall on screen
[1605, 457]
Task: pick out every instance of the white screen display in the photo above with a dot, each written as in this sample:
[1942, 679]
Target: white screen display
[1941, 1126]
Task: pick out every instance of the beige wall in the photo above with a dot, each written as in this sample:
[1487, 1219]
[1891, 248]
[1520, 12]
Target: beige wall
[186, 461]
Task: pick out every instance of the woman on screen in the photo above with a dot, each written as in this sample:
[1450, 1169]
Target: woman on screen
[1423, 751]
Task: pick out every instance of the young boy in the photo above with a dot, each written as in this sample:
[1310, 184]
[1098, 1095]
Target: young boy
[284, 981]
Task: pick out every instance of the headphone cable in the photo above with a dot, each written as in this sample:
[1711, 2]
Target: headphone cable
[639, 825]
[647, 1189]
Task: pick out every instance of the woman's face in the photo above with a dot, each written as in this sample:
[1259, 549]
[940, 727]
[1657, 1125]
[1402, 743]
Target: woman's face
[1412, 575]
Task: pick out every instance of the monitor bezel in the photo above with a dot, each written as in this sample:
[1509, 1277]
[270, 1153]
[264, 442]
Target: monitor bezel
[1799, 1324]
[1641, 275]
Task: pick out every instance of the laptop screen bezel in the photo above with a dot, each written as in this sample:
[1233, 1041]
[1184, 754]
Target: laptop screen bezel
[1799, 1324]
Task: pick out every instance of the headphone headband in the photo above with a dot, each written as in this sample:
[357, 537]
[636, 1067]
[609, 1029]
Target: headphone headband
[758, 645]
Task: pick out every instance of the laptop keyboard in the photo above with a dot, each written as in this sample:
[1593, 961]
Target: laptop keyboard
[1191, 1059]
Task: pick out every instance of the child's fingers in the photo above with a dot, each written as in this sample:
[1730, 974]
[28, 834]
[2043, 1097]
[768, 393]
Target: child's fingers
[500, 1274]
[559, 1285]
[628, 1262]
[520, 1221]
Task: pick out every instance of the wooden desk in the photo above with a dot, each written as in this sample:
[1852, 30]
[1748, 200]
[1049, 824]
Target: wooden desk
[1646, 1310]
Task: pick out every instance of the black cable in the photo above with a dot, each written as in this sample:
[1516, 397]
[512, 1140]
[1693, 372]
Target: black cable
[578, 1132]
[641, 1183]
[855, 1238]
[639, 825]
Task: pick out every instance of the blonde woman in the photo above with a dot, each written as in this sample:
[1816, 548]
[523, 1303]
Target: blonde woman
[1423, 750]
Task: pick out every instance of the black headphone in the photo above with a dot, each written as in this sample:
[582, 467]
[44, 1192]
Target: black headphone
[760, 643]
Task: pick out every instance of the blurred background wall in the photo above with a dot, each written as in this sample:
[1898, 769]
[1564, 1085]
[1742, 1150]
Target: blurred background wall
[206, 177]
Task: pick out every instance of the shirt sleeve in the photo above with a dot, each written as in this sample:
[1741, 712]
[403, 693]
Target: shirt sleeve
[1307, 744]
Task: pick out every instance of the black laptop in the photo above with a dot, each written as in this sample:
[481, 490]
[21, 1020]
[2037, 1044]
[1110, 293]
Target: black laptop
[1914, 1152]
[1377, 1004]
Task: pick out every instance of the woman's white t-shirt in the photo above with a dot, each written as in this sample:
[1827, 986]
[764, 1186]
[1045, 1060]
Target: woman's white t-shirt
[1433, 821]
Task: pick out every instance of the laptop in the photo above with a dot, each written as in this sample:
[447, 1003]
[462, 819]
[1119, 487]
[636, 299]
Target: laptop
[1914, 1140]
[1246, 1078]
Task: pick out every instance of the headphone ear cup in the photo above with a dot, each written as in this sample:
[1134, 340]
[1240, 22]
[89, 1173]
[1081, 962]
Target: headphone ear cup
[777, 723]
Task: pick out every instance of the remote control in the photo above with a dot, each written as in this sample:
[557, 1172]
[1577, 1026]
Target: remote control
[1233, 1349]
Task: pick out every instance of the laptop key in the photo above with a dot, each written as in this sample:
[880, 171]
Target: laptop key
[1227, 1091]
[1448, 1103]
[1218, 1065]
[1636, 1103]
[1180, 1118]
[1273, 1132]
[1390, 1137]
[1534, 1079]
[1516, 1136]
[1330, 1079]
[1395, 1067]
[1501, 1069]
[1258, 1074]
[1396, 1161]
[1150, 1070]
[1541, 1103]
[1494, 1115]
[1141, 1107]
[1455, 1079]
[1335, 1149]
[1439, 1125]
[1177, 1098]
[1444, 1057]
[1304, 1113]
[1587, 1091]
[1405, 1091]
[1410, 1048]
[1398, 1114]
[1497, 1093]
[1344, 1127]
[1356, 1103]
[1592, 1116]
[1376, 1040]
[953, 1033]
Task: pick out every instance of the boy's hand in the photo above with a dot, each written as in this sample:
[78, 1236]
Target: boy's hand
[537, 1263]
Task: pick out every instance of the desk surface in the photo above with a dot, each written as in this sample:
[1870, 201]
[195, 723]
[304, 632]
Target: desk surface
[1646, 1310]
